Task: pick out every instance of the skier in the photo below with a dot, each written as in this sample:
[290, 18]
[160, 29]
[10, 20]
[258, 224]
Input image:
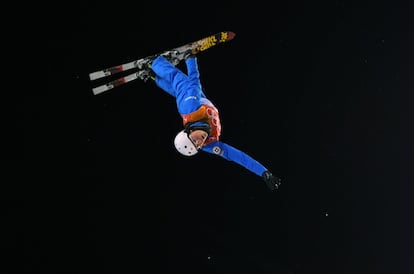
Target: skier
[200, 117]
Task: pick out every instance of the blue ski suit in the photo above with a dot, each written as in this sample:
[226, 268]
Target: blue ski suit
[190, 99]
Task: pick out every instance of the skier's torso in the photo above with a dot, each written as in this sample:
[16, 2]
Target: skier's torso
[209, 113]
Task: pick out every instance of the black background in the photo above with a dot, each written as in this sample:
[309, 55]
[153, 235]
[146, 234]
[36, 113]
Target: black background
[320, 92]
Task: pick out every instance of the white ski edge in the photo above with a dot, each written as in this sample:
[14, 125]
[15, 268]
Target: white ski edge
[123, 80]
[97, 75]
[109, 71]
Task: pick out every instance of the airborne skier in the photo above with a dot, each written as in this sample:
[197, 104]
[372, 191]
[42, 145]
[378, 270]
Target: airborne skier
[201, 120]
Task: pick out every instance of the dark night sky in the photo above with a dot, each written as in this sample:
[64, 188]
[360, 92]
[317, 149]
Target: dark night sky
[320, 92]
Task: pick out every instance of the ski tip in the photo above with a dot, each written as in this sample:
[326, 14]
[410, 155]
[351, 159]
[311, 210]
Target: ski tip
[100, 89]
[96, 75]
[230, 35]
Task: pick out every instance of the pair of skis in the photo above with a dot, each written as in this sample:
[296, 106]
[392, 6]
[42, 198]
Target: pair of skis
[175, 56]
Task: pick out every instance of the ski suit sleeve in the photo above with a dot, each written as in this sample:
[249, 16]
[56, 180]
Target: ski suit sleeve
[235, 155]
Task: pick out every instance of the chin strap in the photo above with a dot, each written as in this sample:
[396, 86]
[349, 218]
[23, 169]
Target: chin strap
[199, 125]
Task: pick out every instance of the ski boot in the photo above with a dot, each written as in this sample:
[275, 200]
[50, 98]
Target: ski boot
[145, 72]
[188, 54]
[146, 75]
[173, 56]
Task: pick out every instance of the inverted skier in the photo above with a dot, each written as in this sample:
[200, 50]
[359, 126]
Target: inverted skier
[201, 120]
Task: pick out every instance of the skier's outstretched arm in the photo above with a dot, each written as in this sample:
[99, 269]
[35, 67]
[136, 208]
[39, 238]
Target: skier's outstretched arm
[233, 154]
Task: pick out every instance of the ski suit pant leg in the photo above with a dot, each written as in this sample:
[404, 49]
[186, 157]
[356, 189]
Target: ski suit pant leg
[185, 88]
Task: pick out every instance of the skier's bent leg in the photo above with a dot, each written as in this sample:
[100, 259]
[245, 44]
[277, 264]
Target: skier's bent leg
[167, 75]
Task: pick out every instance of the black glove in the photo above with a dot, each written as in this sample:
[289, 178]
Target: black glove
[271, 181]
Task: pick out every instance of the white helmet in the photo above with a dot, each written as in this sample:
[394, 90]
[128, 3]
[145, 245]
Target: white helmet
[184, 145]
